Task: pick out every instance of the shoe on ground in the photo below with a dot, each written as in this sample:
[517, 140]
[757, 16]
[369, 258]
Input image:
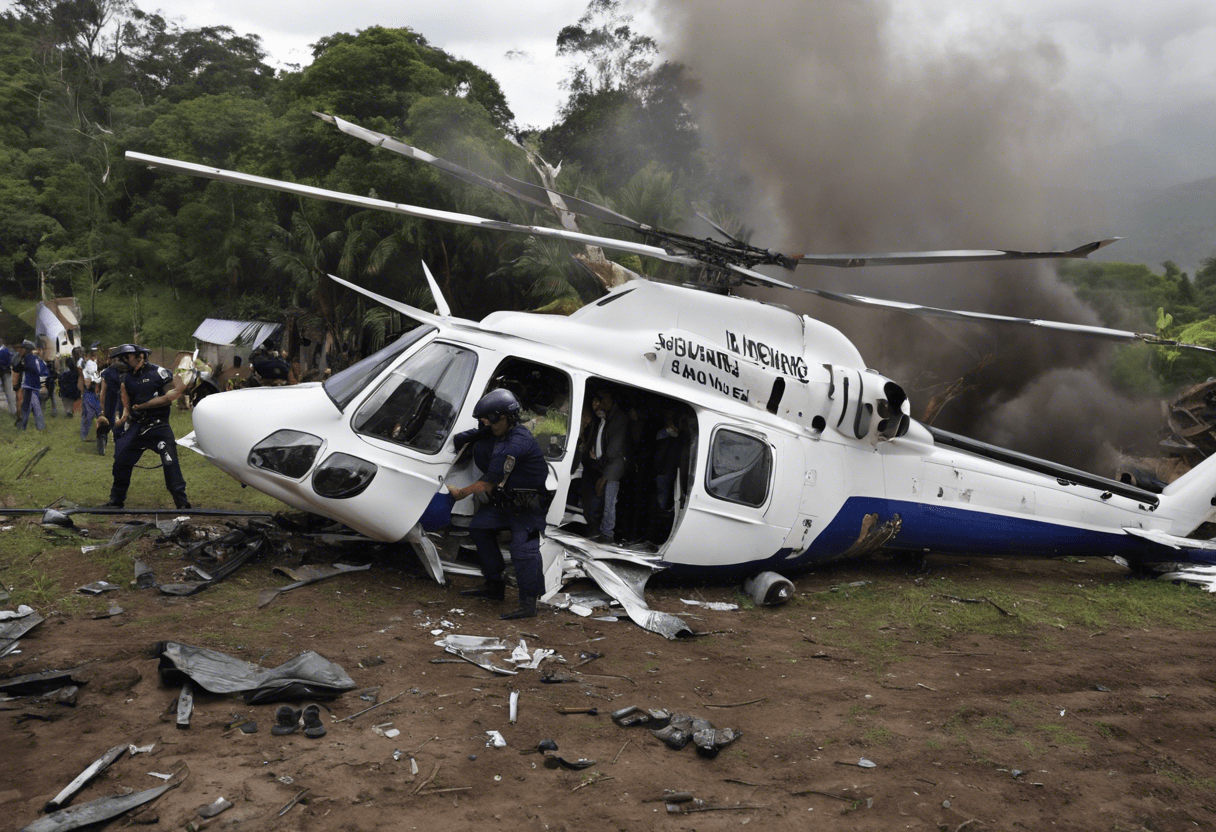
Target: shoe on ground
[286, 720]
[313, 729]
[112, 504]
[184, 504]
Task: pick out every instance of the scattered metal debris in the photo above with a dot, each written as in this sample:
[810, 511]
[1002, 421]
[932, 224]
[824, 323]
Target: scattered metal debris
[495, 739]
[514, 707]
[99, 810]
[110, 613]
[97, 588]
[144, 577]
[95, 768]
[212, 809]
[307, 676]
[33, 684]
[185, 706]
[720, 606]
[372, 708]
[305, 575]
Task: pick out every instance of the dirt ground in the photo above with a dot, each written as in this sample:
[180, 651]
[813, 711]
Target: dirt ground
[1105, 729]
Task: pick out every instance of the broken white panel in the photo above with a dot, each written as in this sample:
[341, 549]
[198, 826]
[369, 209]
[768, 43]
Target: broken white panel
[722, 606]
[476, 649]
[1201, 576]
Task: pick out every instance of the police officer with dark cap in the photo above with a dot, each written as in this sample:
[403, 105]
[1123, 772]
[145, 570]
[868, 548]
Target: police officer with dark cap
[110, 395]
[514, 479]
[147, 394]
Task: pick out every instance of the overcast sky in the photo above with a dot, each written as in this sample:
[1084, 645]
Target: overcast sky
[1157, 56]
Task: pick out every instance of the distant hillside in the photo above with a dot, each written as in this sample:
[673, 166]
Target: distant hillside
[1178, 223]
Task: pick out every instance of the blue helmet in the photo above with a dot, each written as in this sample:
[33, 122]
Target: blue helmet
[128, 349]
[500, 402]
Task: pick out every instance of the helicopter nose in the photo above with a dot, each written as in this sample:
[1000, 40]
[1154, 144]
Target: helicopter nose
[223, 427]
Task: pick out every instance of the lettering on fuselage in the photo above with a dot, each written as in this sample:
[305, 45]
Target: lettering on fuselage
[771, 357]
[705, 365]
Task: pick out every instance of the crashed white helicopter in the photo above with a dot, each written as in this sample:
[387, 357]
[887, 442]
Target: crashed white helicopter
[795, 452]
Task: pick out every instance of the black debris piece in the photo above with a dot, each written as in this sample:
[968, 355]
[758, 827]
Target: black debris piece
[15, 628]
[33, 684]
[144, 577]
[307, 676]
[98, 587]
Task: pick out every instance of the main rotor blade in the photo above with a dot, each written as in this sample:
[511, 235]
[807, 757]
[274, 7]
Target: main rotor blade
[297, 189]
[1123, 335]
[918, 258]
[508, 185]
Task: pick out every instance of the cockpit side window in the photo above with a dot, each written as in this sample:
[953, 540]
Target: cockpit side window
[544, 396]
[740, 468]
[344, 386]
[417, 404]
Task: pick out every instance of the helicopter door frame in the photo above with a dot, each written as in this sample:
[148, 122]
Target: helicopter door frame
[714, 528]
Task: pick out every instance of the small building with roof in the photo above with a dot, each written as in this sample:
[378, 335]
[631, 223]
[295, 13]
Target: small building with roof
[219, 340]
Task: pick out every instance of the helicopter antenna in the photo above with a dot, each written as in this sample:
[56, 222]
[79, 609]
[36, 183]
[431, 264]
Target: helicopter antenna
[441, 304]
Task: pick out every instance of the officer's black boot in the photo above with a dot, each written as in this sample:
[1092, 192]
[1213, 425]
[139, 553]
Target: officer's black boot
[527, 608]
[493, 590]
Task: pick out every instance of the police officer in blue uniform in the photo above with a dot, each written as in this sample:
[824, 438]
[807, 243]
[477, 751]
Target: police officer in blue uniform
[147, 395]
[33, 372]
[110, 395]
[514, 479]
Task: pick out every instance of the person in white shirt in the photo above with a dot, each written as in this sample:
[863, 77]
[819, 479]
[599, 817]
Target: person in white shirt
[90, 380]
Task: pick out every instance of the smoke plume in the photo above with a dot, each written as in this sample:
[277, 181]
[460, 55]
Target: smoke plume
[867, 129]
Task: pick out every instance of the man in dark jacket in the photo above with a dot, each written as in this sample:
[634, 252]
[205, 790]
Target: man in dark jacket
[605, 454]
[69, 384]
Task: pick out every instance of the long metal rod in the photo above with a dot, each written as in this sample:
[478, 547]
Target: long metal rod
[193, 512]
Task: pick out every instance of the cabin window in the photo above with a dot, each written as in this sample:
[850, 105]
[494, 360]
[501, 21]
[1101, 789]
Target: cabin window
[417, 404]
[544, 399]
[344, 386]
[740, 467]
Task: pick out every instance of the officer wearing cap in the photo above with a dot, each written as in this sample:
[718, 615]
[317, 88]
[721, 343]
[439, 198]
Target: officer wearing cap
[147, 394]
[514, 480]
[109, 394]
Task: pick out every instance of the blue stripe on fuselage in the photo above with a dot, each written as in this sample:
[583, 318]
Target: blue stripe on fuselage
[951, 531]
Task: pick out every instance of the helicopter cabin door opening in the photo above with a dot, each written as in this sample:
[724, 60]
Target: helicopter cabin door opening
[646, 443]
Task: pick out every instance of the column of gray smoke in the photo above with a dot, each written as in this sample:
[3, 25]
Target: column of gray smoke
[859, 140]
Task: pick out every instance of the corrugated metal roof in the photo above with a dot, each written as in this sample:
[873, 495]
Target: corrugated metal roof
[247, 334]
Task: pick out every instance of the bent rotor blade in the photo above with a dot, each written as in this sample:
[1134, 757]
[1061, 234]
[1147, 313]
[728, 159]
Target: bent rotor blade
[1123, 335]
[508, 185]
[396, 305]
[221, 175]
[920, 258]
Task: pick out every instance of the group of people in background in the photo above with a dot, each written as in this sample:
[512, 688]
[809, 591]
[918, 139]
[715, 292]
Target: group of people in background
[128, 398]
[31, 381]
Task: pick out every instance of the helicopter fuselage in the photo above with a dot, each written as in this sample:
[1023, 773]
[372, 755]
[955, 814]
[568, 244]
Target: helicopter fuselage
[794, 454]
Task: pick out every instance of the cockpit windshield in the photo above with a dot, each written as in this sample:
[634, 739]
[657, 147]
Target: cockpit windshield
[418, 403]
[344, 386]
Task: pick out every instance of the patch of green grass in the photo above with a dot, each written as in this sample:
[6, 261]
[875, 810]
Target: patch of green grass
[998, 724]
[877, 736]
[1061, 735]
